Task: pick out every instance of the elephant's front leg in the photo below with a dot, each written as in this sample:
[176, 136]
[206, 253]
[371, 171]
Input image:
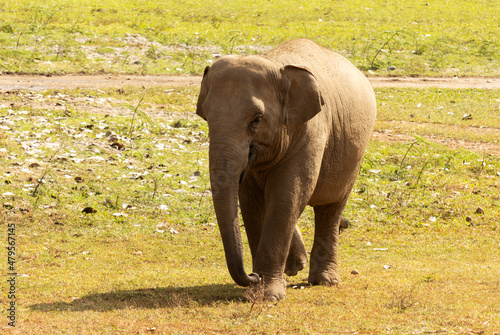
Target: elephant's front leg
[252, 203]
[283, 207]
[272, 254]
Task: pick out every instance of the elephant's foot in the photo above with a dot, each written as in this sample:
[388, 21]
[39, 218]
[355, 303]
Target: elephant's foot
[270, 290]
[297, 255]
[295, 263]
[325, 278]
[344, 224]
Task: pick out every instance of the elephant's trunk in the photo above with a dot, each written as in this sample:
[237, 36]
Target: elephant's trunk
[226, 168]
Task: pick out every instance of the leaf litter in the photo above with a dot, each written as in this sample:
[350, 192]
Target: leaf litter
[78, 149]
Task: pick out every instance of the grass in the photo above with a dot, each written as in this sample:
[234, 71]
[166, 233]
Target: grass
[461, 108]
[150, 259]
[167, 37]
[446, 114]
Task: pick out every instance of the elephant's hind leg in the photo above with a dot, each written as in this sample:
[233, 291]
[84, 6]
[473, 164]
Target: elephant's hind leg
[297, 256]
[324, 270]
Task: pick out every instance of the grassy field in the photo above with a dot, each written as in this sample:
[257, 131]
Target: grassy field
[106, 194]
[115, 231]
[438, 38]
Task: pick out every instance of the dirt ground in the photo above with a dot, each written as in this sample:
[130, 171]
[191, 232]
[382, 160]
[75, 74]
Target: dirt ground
[13, 82]
[36, 83]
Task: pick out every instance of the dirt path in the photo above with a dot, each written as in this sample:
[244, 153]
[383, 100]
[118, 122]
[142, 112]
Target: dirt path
[14, 82]
[8, 82]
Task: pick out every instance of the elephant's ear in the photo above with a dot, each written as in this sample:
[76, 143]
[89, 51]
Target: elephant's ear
[203, 94]
[303, 99]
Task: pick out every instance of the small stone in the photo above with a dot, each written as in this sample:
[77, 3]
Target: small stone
[468, 219]
[8, 123]
[479, 210]
[112, 138]
[118, 145]
[467, 117]
[391, 68]
[8, 205]
[89, 210]
[355, 272]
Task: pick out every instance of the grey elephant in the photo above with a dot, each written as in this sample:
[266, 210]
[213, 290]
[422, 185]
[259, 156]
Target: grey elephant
[287, 129]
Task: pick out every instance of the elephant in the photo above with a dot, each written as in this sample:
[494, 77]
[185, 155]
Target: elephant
[287, 129]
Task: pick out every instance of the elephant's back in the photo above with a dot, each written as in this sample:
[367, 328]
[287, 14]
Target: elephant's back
[344, 87]
[348, 114]
[334, 72]
[321, 61]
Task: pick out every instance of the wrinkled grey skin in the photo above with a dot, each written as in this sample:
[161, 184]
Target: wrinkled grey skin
[287, 129]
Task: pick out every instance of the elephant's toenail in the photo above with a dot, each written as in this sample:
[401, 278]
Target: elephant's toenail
[273, 299]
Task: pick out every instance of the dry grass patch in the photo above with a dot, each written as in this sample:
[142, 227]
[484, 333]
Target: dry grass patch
[148, 258]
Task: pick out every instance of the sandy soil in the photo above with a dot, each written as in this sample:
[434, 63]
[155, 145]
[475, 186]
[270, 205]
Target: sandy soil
[10, 82]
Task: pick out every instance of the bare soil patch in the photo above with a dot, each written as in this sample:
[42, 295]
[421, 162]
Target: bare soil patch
[30, 82]
[15, 82]
[421, 82]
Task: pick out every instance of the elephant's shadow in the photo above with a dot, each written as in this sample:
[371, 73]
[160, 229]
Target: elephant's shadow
[148, 298]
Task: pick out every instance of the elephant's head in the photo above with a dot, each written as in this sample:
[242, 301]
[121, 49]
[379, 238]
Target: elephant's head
[253, 107]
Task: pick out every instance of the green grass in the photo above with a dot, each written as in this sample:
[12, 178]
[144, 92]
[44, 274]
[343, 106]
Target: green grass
[447, 114]
[171, 37]
[150, 259]
[445, 106]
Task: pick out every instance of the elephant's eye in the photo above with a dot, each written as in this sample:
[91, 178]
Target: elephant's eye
[256, 120]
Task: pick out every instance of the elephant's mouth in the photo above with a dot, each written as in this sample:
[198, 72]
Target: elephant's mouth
[251, 156]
